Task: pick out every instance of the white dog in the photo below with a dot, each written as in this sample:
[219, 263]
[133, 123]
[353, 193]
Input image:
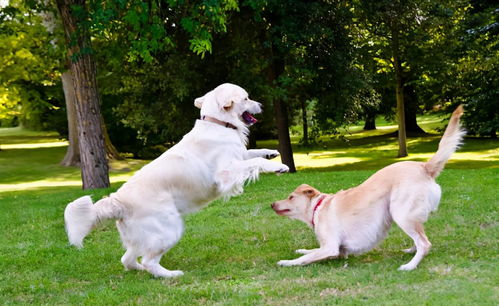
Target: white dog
[211, 161]
[353, 221]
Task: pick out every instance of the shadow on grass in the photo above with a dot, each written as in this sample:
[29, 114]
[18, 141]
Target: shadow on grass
[25, 165]
[18, 166]
[41, 164]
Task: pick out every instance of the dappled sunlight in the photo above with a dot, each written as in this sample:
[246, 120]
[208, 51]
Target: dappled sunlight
[30, 162]
[389, 147]
[34, 145]
[490, 156]
[38, 184]
[61, 182]
[324, 159]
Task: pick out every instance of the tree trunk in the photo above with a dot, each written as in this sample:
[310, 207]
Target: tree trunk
[94, 165]
[111, 151]
[275, 69]
[72, 157]
[304, 121]
[370, 123]
[285, 148]
[399, 92]
[251, 141]
[411, 109]
[493, 133]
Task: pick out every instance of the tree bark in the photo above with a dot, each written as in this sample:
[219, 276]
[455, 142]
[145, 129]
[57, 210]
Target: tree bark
[94, 165]
[285, 148]
[410, 109]
[111, 151]
[399, 93]
[304, 121]
[370, 123]
[72, 157]
[275, 69]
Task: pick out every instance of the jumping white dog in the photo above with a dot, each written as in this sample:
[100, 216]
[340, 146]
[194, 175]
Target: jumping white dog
[211, 161]
[354, 221]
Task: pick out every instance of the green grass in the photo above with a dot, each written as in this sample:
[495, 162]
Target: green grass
[230, 249]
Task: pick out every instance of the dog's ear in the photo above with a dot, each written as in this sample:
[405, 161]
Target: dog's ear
[228, 105]
[199, 102]
[308, 190]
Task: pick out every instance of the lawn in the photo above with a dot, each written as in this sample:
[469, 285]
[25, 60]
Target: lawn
[230, 249]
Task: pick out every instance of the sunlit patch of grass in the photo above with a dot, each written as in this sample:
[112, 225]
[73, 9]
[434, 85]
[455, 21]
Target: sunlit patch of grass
[321, 160]
[30, 160]
[61, 182]
[34, 145]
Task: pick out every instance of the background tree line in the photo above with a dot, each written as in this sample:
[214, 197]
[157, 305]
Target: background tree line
[323, 64]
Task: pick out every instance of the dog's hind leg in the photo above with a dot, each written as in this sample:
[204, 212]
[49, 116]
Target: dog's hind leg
[162, 232]
[129, 259]
[151, 263]
[313, 256]
[305, 251]
[415, 230]
[410, 250]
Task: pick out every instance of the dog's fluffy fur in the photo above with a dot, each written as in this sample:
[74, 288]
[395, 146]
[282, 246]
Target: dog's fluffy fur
[355, 220]
[211, 161]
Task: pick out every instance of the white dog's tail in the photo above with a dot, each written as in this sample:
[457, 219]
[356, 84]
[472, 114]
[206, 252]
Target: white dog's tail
[449, 143]
[81, 215]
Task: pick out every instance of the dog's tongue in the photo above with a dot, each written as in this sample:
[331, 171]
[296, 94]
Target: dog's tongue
[249, 118]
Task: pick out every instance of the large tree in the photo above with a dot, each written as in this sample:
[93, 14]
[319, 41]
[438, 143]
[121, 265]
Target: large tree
[142, 29]
[94, 164]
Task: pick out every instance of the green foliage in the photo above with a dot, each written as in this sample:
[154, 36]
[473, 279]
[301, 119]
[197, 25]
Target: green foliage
[475, 75]
[155, 57]
[145, 28]
[29, 67]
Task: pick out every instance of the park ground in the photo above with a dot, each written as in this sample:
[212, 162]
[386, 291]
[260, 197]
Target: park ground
[230, 249]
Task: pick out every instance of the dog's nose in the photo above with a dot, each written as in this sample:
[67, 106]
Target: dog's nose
[272, 205]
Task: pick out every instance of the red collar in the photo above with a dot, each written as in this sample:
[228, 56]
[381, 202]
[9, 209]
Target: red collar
[315, 208]
[220, 122]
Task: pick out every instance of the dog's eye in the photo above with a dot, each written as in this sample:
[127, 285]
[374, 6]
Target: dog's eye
[290, 197]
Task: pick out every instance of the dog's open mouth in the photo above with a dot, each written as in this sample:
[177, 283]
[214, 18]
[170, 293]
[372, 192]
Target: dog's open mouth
[282, 211]
[248, 118]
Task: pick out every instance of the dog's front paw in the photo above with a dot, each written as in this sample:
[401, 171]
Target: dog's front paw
[282, 169]
[406, 267]
[286, 263]
[271, 154]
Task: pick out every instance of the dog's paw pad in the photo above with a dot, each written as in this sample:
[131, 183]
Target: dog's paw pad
[272, 154]
[283, 169]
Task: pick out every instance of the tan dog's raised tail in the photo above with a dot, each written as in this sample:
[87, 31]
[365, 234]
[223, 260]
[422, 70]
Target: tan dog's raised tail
[353, 221]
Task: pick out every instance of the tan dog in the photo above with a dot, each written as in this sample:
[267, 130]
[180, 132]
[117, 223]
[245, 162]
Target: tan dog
[354, 221]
